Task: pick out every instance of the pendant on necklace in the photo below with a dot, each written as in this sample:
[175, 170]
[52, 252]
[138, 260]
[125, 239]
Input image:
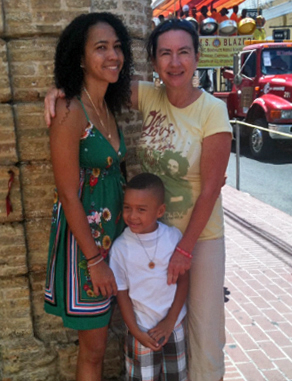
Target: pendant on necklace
[151, 265]
[109, 136]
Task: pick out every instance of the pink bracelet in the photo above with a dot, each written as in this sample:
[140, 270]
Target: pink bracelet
[183, 252]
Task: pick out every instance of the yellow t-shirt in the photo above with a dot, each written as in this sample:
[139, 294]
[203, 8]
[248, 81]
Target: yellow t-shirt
[170, 146]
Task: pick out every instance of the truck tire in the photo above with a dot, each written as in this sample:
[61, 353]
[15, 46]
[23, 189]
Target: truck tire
[260, 143]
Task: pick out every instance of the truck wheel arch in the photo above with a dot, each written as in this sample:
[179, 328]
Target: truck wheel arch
[254, 113]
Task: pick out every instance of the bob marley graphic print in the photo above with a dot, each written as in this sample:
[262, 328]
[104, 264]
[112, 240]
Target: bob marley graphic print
[170, 146]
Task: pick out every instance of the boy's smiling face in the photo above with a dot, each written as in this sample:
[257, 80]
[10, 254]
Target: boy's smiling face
[141, 210]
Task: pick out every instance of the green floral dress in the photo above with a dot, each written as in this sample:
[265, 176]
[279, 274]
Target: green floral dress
[69, 292]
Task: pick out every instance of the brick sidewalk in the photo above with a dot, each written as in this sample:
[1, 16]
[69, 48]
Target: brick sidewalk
[258, 276]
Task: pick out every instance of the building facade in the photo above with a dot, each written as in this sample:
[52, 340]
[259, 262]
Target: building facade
[34, 345]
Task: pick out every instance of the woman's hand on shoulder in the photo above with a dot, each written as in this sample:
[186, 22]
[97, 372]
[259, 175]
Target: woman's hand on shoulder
[69, 117]
[50, 103]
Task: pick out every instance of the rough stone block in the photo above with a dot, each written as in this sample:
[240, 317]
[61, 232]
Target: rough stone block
[138, 25]
[31, 67]
[15, 303]
[67, 360]
[15, 195]
[16, 5]
[37, 51]
[113, 361]
[140, 58]
[105, 6]
[1, 20]
[38, 190]
[117, 324]
[5, 92]
[14, 327]
[55, 21]
[48, 328]
[78, 3]
[18, 22]
[133, 6]
[135, 14]
[42, 19]
[38, 232]
[32, 132]
[8, 154]
[37, 282]
[12, 250]
[45, 5]
[28, 359]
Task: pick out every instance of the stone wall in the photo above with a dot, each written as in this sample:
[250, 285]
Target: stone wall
[33, 345]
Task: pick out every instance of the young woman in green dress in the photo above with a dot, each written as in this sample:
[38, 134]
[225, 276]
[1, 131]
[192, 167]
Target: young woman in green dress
[93, 65]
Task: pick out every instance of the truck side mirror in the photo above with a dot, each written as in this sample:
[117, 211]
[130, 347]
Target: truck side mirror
[237, 77]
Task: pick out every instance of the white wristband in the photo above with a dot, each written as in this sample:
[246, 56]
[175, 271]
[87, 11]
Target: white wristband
[95, 263]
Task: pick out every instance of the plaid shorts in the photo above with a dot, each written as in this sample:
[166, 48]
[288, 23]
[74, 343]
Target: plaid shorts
[143, 364]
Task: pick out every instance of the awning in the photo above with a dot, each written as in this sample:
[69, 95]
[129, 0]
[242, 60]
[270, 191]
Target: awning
[219, 4]
[170, 6]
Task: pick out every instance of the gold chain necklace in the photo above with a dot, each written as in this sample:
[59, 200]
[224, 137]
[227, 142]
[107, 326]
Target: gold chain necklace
[151, 263]
[109, 136]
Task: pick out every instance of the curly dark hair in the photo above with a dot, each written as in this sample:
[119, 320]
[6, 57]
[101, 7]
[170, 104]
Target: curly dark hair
[166, 26]
[70, 51]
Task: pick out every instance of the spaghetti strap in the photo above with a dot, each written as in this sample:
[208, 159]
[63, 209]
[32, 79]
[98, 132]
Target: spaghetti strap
[82, 105]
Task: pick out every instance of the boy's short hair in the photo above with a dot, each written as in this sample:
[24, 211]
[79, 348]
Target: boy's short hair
[148, 181]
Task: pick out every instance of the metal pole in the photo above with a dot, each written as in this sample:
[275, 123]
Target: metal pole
[237, 143]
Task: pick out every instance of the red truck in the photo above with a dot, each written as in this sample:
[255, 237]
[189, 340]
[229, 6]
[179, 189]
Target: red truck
[260, 93]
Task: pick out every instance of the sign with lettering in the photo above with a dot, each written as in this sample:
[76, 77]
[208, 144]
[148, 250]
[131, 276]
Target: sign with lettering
[253, 13]
[281, 34]
[218, 51]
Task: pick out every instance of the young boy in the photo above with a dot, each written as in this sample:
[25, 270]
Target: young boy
[152, 310]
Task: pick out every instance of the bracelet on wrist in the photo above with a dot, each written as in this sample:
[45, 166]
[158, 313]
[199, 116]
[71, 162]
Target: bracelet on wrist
[95, 263]
[95, 256]
[183, 252]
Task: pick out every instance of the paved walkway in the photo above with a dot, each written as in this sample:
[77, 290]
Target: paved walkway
[259, 279]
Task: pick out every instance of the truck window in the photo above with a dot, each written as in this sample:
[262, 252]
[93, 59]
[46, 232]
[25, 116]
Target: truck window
[277, 61]
[249, 64]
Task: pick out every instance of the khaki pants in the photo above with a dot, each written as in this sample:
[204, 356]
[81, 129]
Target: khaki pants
[206, 320]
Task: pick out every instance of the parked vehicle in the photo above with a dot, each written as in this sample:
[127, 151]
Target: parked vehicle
[260, 93]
